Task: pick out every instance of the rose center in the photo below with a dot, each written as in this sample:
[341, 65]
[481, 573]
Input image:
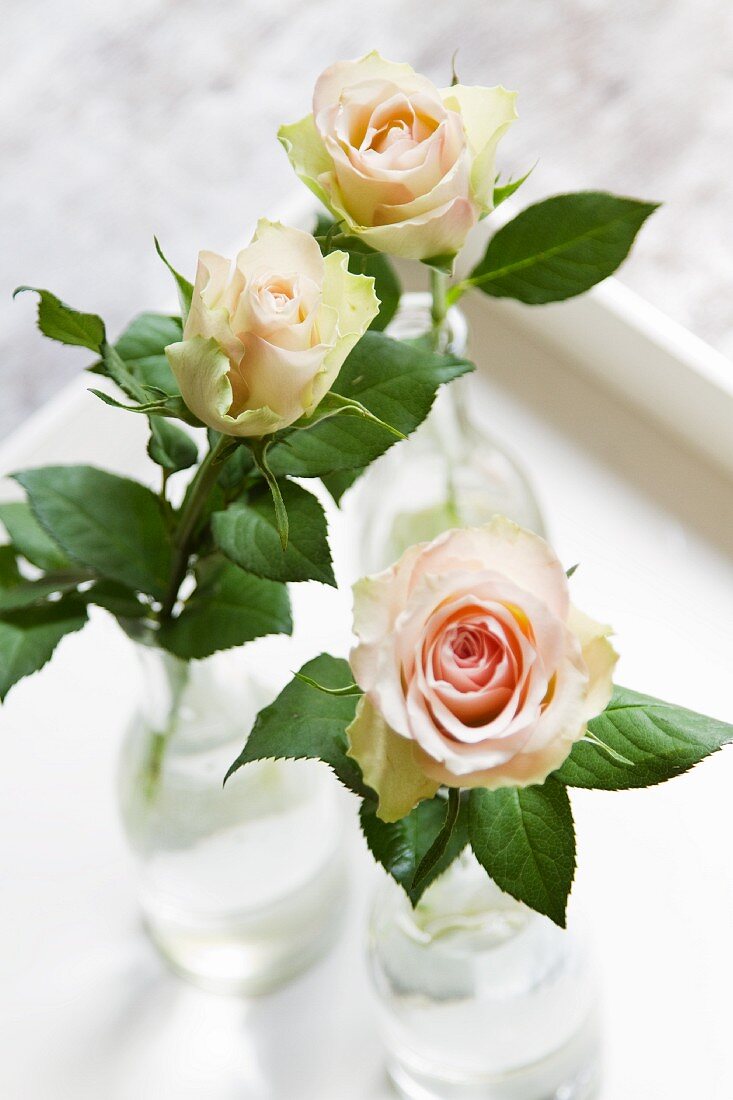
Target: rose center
[473, 645]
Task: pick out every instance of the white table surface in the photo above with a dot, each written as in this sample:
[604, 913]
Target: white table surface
[87, 1010]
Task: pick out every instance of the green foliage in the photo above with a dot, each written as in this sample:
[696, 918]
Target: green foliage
[503, 191]
[402, 846]
[247, 533]
[141, 347]
[524, 839]
[227, 608]
[338, 482]
[60, 322]
[659, 741]
[23, 593]
[238, 467]
[363, 261]
[9, 572]
[184, 288]
[29, 637]
[170, 446]
[561, 247]
[443, 263]
[304, 723]
[395, 381]
[110, 524]
[116, 598]
[30, 539]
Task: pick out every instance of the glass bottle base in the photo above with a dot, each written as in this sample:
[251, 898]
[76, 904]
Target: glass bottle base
[571, 1073]
[255, 952]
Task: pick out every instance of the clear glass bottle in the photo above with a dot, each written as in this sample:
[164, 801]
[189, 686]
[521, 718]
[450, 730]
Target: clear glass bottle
[241, 887]
[479, 998]
[449, 473]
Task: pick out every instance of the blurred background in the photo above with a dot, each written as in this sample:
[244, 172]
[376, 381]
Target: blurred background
[126, 118]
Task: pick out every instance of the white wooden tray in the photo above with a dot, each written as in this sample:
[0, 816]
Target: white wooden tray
[624, 421]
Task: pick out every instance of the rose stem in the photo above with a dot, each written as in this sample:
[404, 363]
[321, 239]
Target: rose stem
[439, 310]
[200, 487]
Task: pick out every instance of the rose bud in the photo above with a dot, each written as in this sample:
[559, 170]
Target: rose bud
[406, 167]
[265, 338]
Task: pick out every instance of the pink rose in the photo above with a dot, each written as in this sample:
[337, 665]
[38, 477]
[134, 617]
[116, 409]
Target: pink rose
[407, 168]
[477, 672]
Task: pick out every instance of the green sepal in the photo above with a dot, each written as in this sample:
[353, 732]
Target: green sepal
[442, 263]
[259, 453]
[183, 286]
[503, 191]
[401, 846]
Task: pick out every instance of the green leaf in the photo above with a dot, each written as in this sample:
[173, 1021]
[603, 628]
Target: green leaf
[29, 637]
[116, 598]
[235, 469]
[524, 838]
[304, 723]
[561, 247]
[170, 446]
[401, 846]
[505, 190]
[364, 261]
[227, 608]
[395, 381]
[60, 322]
[30, 539]
[142, 349]
[24, 593]
[110, 524]
[659, 740]
[9, 572]
[338, 482]
[248, 535]
[185, 289]
[159, 405]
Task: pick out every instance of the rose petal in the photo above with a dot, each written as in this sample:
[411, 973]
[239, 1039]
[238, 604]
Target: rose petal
[332, 82]
[202, 369]
[388, 763]
[487, 114]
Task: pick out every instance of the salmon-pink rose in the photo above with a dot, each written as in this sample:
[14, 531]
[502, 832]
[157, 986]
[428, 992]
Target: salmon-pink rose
[476, 669]
[406, 167]
[267, 335]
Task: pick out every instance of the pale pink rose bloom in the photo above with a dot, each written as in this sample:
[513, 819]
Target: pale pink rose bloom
[406, 167]
[476, 669]
[267, 334]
